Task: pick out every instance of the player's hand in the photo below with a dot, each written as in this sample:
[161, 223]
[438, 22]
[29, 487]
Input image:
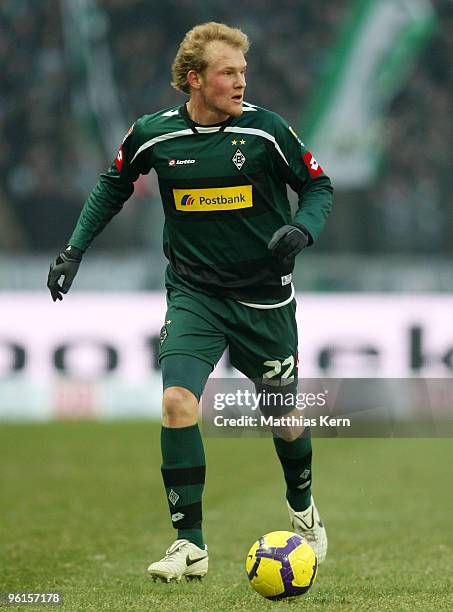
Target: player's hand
[288, 241]
[66, 265]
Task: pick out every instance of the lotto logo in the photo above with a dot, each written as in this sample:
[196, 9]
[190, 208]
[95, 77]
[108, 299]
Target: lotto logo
[119, 159]
[313, 167]
[180, 162]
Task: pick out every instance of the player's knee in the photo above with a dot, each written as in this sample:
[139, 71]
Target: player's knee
[289, 434]
[276, 401]
[179, 407]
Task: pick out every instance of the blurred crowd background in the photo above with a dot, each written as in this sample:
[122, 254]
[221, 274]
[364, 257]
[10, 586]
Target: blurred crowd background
[47, 168]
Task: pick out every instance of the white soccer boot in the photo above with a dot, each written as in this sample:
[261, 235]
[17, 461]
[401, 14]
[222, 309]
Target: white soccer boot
[183, 558]
[308, 524]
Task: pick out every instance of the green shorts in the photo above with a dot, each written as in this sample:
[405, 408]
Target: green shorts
[262, 343]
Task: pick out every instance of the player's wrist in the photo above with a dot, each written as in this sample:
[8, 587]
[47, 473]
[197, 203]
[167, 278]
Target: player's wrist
[305, 231]
[72, 253]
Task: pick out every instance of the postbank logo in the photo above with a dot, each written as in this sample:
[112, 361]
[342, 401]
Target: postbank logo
[219, 198]
[187, 200]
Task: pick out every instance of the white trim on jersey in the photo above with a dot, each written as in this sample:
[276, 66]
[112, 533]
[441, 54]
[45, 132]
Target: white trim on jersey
[239, 130]
[207, 130]
[270, 306]
[153, 141]
[246, 106]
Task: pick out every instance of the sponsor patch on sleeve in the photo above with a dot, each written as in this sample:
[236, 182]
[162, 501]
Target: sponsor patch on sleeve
[119, 159]
[129, 131]
[313, 167]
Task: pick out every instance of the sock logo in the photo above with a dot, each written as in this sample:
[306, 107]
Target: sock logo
[305, 475]
[173, 497]
[177, 516]
[304, 486]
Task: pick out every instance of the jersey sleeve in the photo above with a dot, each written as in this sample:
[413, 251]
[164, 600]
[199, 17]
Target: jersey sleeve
[299, 169]
[114, 187]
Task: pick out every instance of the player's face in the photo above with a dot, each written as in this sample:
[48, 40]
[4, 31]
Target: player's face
[222, 83]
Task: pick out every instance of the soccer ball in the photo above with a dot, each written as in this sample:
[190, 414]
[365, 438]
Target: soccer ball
[281, 564]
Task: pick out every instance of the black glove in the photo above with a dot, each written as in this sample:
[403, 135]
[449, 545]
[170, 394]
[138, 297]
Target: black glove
[288, 241]
[66, 264]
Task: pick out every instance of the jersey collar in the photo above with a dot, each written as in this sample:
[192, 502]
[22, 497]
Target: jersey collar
[197, 128]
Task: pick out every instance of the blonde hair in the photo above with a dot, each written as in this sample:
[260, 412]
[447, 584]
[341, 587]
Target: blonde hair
[190, 54]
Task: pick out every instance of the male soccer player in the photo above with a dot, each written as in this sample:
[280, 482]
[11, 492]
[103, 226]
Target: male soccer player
[223, 166]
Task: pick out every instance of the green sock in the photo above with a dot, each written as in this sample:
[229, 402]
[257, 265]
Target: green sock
[295, 458]
[183, 472]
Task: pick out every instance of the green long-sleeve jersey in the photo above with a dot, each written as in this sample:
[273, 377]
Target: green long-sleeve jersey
[223, 190]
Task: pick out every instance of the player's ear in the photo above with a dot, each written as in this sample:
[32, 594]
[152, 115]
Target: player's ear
[194, 80]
